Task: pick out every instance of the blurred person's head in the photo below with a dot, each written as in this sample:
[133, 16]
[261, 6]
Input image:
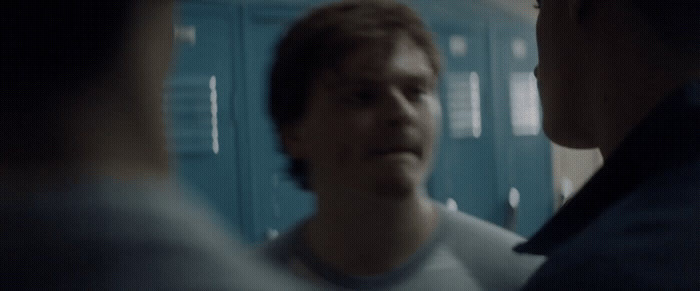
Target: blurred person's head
[604, 64]
[352, 97]
[82, 84]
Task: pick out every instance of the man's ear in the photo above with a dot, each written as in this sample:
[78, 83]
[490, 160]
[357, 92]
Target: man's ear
[293, 140]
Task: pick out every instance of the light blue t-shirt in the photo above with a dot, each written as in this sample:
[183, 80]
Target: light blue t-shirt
[463, 253]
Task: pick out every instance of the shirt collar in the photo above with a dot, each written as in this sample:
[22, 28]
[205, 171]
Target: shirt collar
[668, 137]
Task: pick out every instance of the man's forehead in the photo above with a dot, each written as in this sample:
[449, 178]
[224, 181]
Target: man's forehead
[371, 57]
[392, 77]
[402, 62]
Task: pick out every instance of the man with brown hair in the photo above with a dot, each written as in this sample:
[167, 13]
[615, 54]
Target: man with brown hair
[352, 93]
[623, 76]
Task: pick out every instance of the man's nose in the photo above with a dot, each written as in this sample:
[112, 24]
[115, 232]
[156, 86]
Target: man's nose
[397, 108]
[536, 69]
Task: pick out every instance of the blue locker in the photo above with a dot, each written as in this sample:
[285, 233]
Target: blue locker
[524, 152]
[274, 201]
[202, 128]
[465, 168]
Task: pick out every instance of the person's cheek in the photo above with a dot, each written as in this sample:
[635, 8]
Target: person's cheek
[435, 111]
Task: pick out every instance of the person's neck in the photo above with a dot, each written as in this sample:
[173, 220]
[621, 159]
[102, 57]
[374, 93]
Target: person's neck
[369, 236]
[32, 179]
[122, 139]
[634, 82]
[103, 142]
[630, 99]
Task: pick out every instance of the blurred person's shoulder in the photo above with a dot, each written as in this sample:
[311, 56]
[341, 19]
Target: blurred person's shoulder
[114, 234]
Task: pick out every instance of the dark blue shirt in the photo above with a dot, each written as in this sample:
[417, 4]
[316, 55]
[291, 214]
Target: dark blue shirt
[636, 223]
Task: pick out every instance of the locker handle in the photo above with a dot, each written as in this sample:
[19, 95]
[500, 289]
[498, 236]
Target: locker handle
[271, 234]
[513, 204]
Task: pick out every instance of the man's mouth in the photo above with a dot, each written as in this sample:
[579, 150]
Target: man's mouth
[395, 150]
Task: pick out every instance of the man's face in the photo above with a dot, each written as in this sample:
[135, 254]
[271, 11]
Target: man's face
[563, 75]
[371, 127]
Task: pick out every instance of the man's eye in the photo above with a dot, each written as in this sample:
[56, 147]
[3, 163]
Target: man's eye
[415, 93]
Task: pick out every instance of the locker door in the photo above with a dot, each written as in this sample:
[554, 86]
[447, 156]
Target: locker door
[523, 151]
[465, 169]
[202, 129]
[274, 201]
